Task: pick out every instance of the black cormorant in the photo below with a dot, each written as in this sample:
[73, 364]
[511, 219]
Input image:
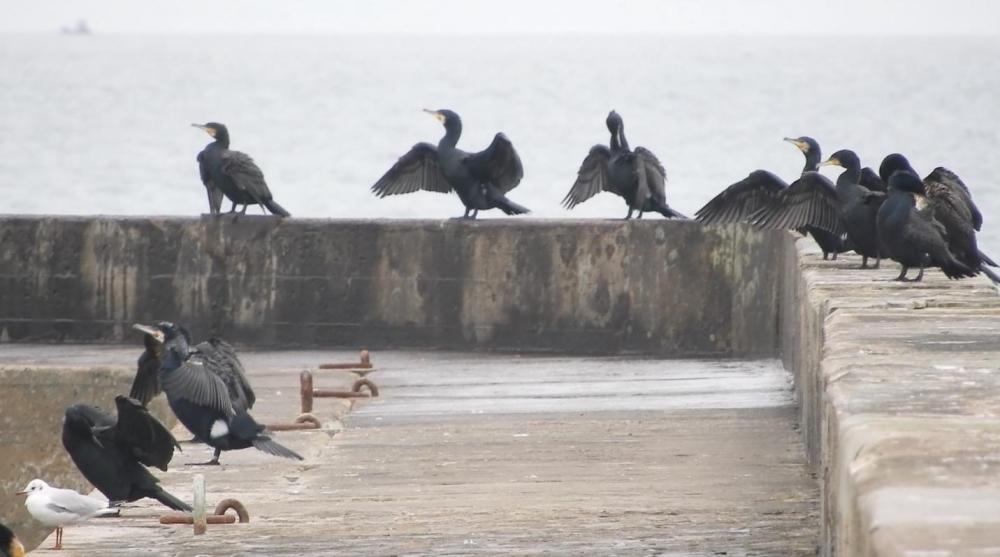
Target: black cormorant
[739, 201]
[112, 453]
[482, 180]
[220, 357]
[636, 176]
[953, 208]
[203, 401]
[146, 384]
[10, 546]
[858, 206]
[912, 234]
[233, 174]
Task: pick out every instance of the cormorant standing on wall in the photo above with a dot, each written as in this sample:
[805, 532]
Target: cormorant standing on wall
[952, 207]
[912, 234]
[112, 453]
[739, 201]
[636, 176]
[482, 180]
[233, 174]
[203, 402]
[858, 206]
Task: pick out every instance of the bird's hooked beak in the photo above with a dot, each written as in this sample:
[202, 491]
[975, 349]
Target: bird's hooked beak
[208, 130]
[435, 114]
[802, 145]
[151, 331]
[831, 162]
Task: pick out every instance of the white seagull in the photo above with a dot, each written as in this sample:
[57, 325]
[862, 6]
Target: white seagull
[57, 507]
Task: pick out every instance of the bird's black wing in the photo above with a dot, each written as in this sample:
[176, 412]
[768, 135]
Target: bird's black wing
[215, 194]
[943, 184]
[246, 175]
[871, 180]
[146, 384]
[809, 201]
[418, 169]
[194, 382]
[652, 177]
[145, 437]
[499, 164]
[740, 200]
[591, 179]
[220, 358]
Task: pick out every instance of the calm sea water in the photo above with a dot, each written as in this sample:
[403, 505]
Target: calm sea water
[101, 124]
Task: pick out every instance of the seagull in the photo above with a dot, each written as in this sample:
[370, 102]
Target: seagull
[10, 546]
[57, 507]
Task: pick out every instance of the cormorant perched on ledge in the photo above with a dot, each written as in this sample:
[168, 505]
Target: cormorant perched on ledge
[912, 234]
[112, 453]
[636, 176]
[233, 174]
[739, 201]
[858, 206]
[952, 208]
[203, 401]
[482, 180]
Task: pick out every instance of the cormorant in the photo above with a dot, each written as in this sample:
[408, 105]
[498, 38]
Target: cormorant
[953, 208]
[112, 453]
[636, 176]
[146, 384]
[912, 234]
[203, 401]
[482, 180]
[10, 546]
[233, 174]
[858, 206]
[739, 201]
[56, 507]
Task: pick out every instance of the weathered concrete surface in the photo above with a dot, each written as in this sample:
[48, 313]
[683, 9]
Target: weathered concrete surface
[899, 391]
[653, 286]
[504, 455]
[33, 397]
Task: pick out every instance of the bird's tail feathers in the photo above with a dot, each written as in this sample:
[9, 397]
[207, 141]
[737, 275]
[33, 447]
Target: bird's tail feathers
[990, 273]
[276, 209]
[955, 269]
[511, 208]
[665, 210]
[272, 447]
[170, 501]
[987, 260]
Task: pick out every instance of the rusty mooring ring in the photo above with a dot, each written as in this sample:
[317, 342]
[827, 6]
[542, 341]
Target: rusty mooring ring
[233, 504]
[361, 383]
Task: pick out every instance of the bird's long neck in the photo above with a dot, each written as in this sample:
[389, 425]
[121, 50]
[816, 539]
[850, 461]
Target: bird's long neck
[452, 131]
[813, 158]
[615, 144]
[621, 137]
[222, 140]
[851, 174]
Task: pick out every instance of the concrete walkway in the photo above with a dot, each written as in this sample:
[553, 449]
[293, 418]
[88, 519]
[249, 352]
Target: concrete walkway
[494, 454]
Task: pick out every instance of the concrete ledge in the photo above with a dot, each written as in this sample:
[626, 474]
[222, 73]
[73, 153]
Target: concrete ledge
[523, 285]
[898, 388]
[33, 399]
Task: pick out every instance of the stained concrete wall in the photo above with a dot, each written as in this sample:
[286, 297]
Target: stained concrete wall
[32, 402]
[898, 388]
[653, 286]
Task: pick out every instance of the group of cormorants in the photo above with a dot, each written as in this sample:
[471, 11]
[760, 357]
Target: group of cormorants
[892, 213]
[208, 391]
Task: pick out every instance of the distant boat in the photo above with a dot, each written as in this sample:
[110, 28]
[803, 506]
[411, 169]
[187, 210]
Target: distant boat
[81, 28]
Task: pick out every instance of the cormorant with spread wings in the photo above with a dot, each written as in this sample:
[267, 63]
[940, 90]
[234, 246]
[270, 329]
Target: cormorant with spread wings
[482, 180]
[636, 176]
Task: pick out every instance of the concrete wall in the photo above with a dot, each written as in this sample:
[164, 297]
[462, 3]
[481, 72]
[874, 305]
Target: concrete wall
[651, 286]
[33, 400]
[898, 387]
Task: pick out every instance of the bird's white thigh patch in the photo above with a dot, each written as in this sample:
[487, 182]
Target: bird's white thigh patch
[219, 429]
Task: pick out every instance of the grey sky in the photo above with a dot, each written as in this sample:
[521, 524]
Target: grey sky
[960, 17]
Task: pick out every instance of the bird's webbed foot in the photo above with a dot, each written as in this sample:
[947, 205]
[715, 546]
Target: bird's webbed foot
[213, 462]
[864, 262]
[878, 261]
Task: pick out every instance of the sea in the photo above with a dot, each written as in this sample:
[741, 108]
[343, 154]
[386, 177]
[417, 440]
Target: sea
[101, 124]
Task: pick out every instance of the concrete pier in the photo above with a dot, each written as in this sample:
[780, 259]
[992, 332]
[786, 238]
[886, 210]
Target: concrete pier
[896, 384]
